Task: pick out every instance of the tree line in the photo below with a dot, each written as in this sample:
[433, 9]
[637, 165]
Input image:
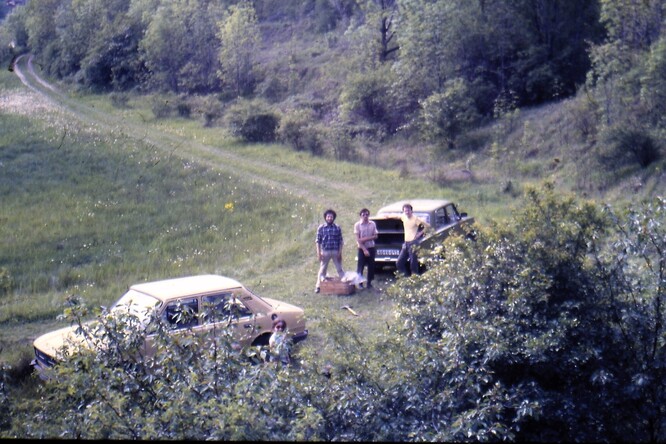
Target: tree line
[433, 69]
[535, 48]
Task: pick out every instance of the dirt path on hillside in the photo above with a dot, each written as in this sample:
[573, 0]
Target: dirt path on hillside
[308, 186]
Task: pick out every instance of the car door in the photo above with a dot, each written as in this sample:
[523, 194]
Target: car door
[443, 220]
[182, 317]
[228, 310]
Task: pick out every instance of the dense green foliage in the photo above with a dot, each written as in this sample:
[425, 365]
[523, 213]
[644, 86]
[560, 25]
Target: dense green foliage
[550, 328]
[407, 49]
[629, 83]
[405, 70]
[526, 46]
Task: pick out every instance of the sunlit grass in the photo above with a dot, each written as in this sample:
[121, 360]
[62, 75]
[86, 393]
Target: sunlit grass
[366, 185]
[90, 218]
[97, 198]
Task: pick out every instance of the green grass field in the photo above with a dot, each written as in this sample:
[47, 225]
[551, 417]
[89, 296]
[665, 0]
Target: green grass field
[95, 199]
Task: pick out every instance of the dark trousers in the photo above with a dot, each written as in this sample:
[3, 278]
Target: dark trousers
[408, 252]
[364, 260]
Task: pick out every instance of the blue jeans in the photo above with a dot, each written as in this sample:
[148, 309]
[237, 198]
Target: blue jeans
[408, 252]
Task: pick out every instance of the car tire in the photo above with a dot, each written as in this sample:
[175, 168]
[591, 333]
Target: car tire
[262, 341]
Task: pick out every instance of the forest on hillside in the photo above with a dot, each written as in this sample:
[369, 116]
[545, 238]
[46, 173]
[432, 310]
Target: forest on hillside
[329, 76]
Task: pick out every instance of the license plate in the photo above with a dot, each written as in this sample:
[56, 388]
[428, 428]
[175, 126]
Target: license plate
[387, 252]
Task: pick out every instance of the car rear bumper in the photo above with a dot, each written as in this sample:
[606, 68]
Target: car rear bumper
[386, 260]
[387, 255]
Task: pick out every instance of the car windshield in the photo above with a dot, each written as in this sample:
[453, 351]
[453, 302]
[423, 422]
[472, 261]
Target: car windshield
[138, 304]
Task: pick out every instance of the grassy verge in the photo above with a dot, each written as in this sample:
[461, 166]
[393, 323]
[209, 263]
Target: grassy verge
[96, 198]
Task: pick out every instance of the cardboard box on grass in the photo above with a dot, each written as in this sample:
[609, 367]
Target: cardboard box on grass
[335, 285]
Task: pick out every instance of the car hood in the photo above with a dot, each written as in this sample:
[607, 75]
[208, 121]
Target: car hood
[51, 343]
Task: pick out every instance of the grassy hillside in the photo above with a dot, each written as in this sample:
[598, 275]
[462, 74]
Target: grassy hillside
[96, 198]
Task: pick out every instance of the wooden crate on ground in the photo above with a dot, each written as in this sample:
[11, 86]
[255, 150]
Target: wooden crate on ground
[333, 285]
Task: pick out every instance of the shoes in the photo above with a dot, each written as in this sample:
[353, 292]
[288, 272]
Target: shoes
[317, 290]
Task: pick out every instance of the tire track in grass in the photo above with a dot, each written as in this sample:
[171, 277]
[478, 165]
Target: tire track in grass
[314, 189]
[310, 187]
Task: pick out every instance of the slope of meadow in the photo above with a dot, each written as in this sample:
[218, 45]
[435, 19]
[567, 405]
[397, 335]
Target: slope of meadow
[95, 199]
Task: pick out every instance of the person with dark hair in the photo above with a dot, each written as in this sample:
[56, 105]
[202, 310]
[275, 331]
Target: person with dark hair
[329, 243]
[365, 231]
[415, 228]
[279, 344]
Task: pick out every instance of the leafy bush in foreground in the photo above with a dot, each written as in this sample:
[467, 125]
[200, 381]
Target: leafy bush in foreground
[193, 388]
[548, 329]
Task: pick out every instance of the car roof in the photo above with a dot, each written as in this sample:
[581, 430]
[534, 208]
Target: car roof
[417, 205]
[186, 286]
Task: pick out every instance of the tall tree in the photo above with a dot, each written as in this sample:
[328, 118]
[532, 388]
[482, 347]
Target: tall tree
[239, 35]
[372, 34]
[535, 48]
[425, 42]
[199, 73]
[179, 46]
[161, 47]
[617, 63]
[41, 26]
[77, 25]
[635, 24]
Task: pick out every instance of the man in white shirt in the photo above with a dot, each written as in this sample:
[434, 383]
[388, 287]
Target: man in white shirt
[365, 231]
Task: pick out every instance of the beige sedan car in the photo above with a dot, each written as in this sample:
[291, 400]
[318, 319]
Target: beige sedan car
[189, 304]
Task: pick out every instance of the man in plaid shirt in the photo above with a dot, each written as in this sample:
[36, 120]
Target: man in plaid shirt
[329, 246]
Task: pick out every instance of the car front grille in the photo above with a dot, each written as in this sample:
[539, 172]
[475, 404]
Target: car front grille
[44, 359]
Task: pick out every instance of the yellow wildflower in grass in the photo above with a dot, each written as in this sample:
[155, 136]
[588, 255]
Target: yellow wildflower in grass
[229, 206]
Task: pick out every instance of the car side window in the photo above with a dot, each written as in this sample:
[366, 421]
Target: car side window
[452, 213]
[223, 306]
[441, 217]
[238, 308]
[182, 313]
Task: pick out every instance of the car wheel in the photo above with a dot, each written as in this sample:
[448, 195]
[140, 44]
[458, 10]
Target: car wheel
[262, 340]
